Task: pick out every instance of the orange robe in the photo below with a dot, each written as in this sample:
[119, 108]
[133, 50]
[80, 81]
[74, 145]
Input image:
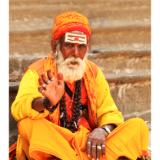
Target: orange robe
[38, 138]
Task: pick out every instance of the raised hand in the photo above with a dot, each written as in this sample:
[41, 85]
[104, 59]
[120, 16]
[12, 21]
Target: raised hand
[51, 87]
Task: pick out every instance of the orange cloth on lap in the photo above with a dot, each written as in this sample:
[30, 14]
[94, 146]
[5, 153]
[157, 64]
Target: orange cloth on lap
[46, 138]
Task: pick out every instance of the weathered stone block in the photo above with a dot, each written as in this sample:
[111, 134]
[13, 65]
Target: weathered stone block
[119, 63]
[133, 99]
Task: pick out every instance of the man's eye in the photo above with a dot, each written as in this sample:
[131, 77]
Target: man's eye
[69, 45]
[82, 46]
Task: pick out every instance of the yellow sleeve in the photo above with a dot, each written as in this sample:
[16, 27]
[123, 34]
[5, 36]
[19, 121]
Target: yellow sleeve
[107, 111]
[28, 90]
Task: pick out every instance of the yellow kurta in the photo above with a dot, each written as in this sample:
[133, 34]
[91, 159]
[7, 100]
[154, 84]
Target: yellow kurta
[39, 137]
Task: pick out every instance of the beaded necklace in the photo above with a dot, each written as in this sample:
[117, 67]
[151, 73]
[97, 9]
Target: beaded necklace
[77, 108]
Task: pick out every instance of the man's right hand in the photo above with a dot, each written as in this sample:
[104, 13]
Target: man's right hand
[51, 87]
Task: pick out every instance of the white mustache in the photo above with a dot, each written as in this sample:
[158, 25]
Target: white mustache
[72, 61]
[72, 68]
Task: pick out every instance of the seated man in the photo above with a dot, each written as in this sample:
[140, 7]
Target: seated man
[64, 107]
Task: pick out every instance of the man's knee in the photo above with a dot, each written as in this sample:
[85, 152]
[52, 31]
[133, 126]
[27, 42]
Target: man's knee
[139, 125]
[136, 121]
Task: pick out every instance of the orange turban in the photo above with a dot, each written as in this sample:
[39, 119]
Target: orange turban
[70, 21]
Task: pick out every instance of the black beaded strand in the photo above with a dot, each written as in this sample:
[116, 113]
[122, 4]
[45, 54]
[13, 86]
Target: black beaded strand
[72, 125]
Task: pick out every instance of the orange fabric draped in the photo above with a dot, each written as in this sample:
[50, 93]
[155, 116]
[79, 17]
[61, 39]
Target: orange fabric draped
[89, 81]
[128, 139]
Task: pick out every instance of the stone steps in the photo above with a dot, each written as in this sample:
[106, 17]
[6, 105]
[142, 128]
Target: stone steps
[118, 25]
[110, 62]
[132, 98]
[101, 24]
[107, 16]
[129, 38]
[91, 8]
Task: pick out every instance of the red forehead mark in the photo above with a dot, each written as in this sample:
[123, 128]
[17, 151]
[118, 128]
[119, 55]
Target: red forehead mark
[76, 38]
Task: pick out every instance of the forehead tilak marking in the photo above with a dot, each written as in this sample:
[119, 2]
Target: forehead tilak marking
[75, 38]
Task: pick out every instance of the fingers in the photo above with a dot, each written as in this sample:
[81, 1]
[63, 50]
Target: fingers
[94, 151]
[40, 80]
[49, 83]
[89, 144]
[103, 150]
[99, 151]
[60, 76]
[41, 90]
[96, 147]
[46, 78]
[60, 79]
[50, 75]
[43, 80]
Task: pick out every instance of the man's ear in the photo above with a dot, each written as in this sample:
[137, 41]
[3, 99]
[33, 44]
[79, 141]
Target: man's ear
[88, 46]
[53, 45]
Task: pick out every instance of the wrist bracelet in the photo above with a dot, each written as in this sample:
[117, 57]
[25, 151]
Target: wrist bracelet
[106, 129]
[51, 109]
[47, 104]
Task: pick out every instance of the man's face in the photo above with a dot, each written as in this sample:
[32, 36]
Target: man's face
[74, 45]
[72, 52]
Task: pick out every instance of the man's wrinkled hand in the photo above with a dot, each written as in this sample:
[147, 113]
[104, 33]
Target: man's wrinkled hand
[96, 144]
[51, 87]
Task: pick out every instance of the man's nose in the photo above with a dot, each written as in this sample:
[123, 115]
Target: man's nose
[75, 51]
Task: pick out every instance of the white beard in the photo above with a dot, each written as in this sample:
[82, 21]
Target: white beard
[72, 68]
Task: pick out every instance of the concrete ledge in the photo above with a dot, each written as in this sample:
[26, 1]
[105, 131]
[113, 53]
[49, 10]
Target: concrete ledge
[37, 25]
[133, 77]
[128, 52]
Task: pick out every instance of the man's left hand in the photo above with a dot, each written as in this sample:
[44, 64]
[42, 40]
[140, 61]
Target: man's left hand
[96, 144]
